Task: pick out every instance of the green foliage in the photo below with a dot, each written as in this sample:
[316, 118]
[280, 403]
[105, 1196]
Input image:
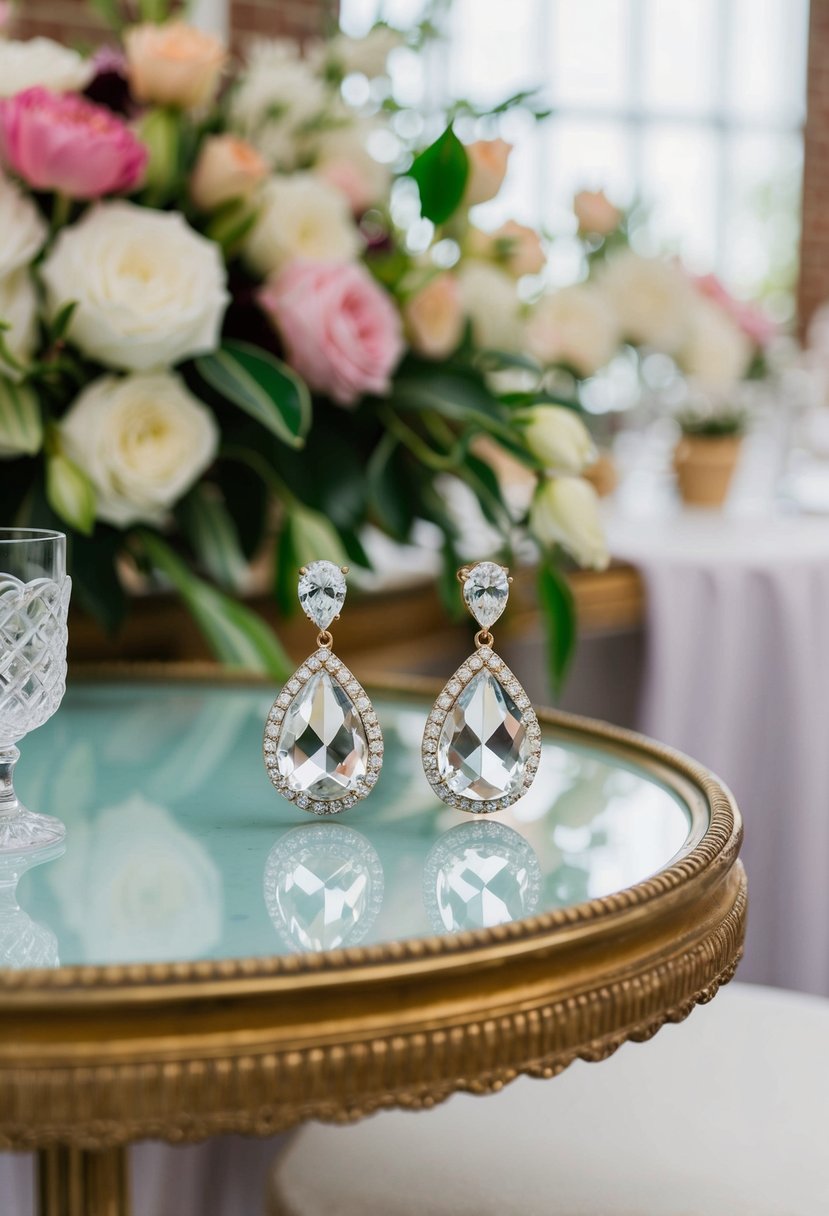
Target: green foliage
[236, 635]
[21, 424]
[70, 493]
[558, 612]
[715, 426]
[212, 533]
[263, 386]
[441, 172]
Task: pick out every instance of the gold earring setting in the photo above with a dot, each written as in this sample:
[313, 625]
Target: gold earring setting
[323, 747]
[482, 743]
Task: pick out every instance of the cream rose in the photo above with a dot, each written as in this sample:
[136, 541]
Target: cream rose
[44, 62]
[173, 64]
[142, 441]
[716, 353]
[301, 217]
[491, 302]
[18, 309]
[368, 55]
[595, 213]
[22, 229]
[565, 511]
[558, 437]
[576, 327]
[228, 168]
[652, 298]
[434, 318]
[488, 160]
[150, 291]
[515, 246]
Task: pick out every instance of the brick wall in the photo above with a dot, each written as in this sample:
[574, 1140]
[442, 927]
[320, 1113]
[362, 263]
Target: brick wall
[74, 21]
[814, 249]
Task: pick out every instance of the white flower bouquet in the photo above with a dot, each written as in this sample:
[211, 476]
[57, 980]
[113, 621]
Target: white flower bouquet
[228, 329]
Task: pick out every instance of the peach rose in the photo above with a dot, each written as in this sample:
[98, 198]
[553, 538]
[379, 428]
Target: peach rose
[434, 317]
[488, 159]
[227, 168]
[173, 64]
[595, 213]
[515, 246]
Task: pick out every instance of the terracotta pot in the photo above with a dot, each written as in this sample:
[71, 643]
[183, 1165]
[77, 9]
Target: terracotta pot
[603, 475]
[704, 468]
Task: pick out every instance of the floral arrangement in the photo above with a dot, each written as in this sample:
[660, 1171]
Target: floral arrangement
[228, 330]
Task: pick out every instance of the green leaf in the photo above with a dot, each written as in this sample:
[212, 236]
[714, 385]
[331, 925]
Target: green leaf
[558, 612]
[484, 481]
[441, 172]
[210, 529]
[390, 490]
[315, 537]
[59, 326]
[235, 634]
[70, 493]
[21, 425]
[261, 385]
[92, 562]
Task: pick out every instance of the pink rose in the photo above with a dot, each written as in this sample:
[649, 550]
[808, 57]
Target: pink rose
[434, 317]
[750, 319]
[68, 145]
[341, 330]
[596, 215]
[488, 160]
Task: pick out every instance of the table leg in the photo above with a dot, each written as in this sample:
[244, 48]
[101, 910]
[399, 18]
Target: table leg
[75, 1182]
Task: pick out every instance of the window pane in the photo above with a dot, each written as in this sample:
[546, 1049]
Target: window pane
[589, 154]
[590, 47]
[680, 54]
[768, 59]
[494, 48]
[679, 183]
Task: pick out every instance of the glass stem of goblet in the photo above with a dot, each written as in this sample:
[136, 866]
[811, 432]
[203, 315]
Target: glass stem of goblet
[9, 756]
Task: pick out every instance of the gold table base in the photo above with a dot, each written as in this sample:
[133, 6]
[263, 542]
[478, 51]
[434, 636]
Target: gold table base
[74, 1182]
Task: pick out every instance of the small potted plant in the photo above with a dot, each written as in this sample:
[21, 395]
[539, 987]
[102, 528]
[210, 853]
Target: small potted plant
[707, 453]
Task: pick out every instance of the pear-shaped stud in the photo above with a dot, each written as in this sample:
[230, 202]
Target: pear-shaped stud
[482, 742]
[323, 746]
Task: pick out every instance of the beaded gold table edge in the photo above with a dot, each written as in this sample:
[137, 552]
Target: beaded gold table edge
[94, 1057]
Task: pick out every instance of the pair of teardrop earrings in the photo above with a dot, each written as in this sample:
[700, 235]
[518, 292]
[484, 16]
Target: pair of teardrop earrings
[323, 745]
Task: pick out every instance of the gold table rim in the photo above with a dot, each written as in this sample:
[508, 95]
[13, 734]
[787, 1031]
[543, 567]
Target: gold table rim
[713, 854]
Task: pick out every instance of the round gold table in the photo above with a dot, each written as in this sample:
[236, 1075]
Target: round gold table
[205, 958]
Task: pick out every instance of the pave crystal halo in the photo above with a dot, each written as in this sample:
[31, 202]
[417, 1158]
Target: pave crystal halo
[482, 742]
[323, 747]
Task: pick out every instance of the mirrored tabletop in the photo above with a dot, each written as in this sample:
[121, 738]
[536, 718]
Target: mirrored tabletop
[178, 848]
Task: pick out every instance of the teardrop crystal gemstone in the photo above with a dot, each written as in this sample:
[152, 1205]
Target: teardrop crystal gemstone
[484, 747]
[322, 749]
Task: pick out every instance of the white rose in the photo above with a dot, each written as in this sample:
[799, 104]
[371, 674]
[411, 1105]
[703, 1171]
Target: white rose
[18, 309]
[276, 95]
[575, 326]
[565, 511]
[150, 291]
[142, 441]
[490, 300]
[22, 228]
[44, 62]
[557, 436]
[343, 160]
[716, 352]
[368, 55]
[301, 217]
[652, 298]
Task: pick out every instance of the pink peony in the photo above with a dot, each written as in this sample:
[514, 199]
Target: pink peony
[750, 319]
[341, 330]
[68, 145]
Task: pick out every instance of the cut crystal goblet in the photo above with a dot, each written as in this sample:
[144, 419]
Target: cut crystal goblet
[34, 605]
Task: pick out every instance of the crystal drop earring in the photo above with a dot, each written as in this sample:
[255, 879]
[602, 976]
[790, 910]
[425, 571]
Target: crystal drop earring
[323, 746]
[482, 742]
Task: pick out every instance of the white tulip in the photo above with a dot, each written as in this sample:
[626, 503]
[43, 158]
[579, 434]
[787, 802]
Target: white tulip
[150, 291]
[565, 511]
[41, 61]
[18, 309]
[716, 354]
[491, 302]
[142, 440]
[557, 436]
[301, 217]
[652, 298]
[22, 228]
[575, 327]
